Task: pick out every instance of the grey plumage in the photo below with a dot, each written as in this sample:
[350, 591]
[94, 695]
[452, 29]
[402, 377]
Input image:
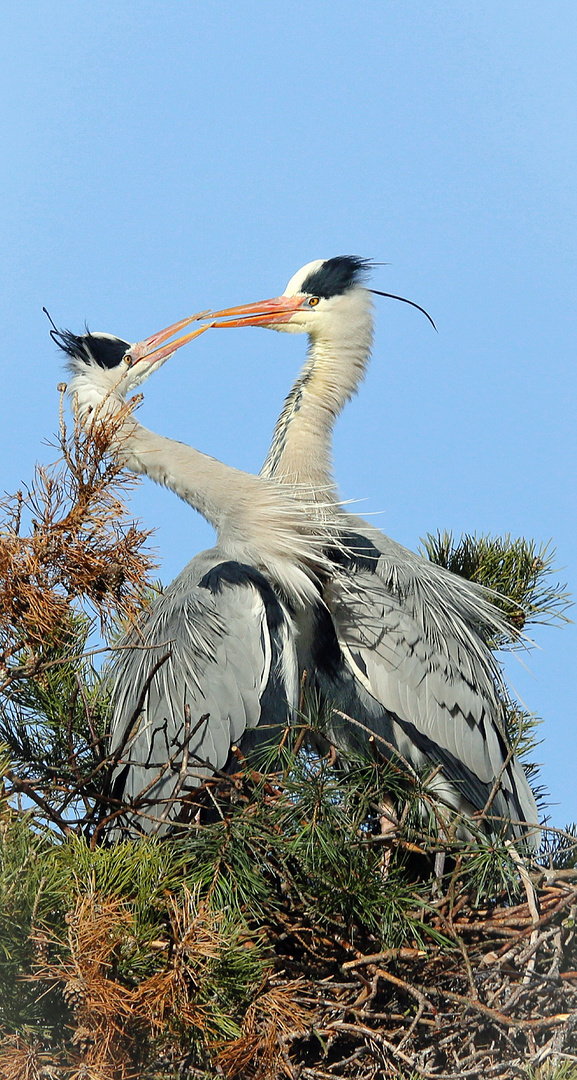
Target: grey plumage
[224, 643]
[213, 662]
[414, 661]
[416, 638]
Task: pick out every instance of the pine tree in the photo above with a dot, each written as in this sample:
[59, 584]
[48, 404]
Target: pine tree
[288, 935]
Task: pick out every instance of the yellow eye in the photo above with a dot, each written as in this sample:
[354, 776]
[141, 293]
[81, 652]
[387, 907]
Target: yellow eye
[314, 300]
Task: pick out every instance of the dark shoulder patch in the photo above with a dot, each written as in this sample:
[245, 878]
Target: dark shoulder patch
[236, 573]
[356, 550]
[336, 275]
[326, 651]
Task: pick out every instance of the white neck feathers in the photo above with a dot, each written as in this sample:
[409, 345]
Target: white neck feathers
[335, 366]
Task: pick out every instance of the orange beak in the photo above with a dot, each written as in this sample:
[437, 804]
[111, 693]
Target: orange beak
[266, 313]
[152, 348]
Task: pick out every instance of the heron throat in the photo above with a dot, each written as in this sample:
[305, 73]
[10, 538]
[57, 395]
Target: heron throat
[301, 447]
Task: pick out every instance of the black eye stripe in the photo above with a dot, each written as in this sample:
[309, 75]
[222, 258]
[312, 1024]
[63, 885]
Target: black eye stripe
[107, 352]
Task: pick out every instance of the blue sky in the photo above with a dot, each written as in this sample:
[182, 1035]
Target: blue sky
[161, 158]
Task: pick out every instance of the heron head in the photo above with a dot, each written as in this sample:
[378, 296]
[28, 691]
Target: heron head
[320, 298]
[116, 364]
[327, 299]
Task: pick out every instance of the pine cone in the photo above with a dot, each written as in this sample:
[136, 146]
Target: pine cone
[74, 993]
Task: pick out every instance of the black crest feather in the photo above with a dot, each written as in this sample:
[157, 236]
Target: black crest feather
[336, 275]
[104, 350]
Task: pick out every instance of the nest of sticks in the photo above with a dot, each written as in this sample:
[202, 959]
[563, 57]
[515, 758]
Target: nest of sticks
[502, 999]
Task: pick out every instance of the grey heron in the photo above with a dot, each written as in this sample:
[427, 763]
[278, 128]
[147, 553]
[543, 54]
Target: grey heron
[214, 662]
[413, 662]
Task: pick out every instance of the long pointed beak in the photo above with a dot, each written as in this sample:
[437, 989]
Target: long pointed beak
[152, 349]
[266, 313]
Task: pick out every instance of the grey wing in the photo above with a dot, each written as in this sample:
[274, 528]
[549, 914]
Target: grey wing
[412, 634]
[214, 659]
[448, 605]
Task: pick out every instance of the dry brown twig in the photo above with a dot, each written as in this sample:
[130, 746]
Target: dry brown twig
[68, 538]
[68, 549]
[110, 1017]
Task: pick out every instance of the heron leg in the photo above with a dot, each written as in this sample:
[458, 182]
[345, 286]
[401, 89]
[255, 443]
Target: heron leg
[388, 822]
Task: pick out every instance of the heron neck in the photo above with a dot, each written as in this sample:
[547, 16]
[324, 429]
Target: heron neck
[301, 448]
[257, 523]
[216, 490]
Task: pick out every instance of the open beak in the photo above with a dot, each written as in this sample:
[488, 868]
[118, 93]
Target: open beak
[152, 349]
[266, 313]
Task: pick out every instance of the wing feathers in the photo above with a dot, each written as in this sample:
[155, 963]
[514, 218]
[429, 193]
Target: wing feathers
[231, 647]
[419, 635]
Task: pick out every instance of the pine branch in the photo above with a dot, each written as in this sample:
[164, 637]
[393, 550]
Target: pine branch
[518, 571]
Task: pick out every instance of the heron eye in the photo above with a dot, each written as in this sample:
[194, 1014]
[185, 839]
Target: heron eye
[127, 359]
[314, 300]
